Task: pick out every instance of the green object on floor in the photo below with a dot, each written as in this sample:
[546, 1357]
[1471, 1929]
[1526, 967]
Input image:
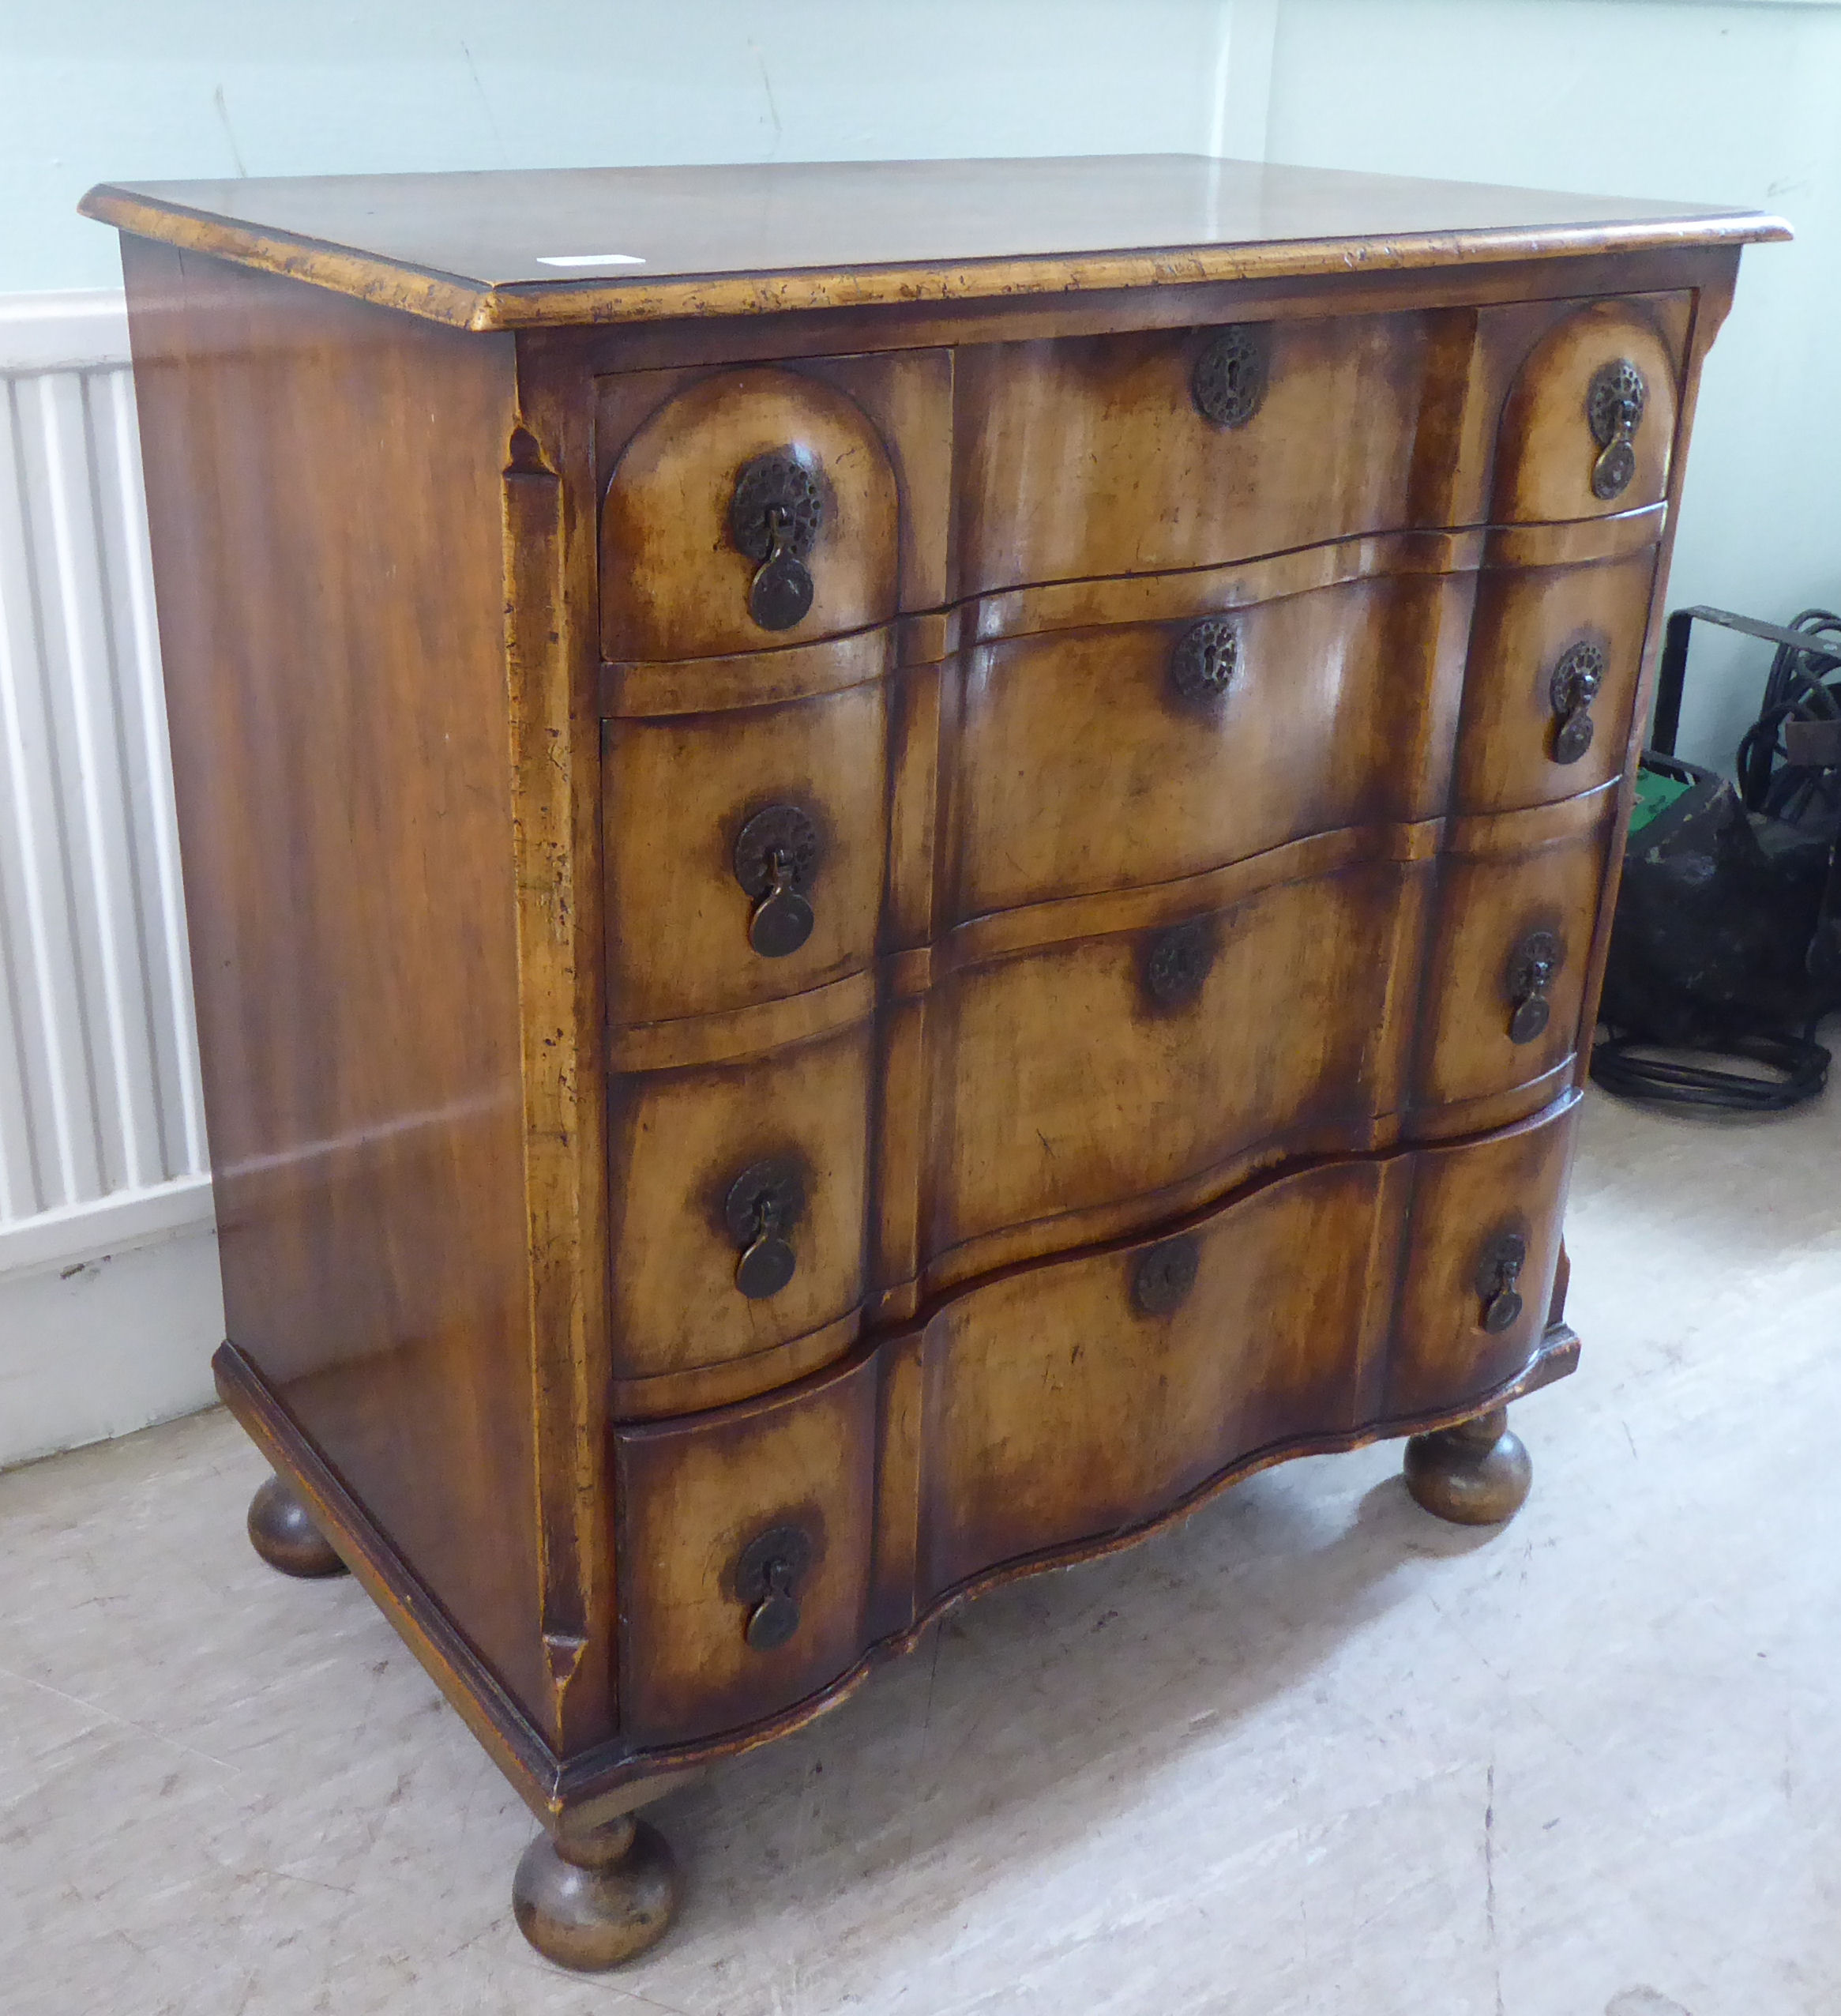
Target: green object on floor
[1655, 793]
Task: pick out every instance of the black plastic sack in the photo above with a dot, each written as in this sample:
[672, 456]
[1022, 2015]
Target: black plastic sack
[1710, 950]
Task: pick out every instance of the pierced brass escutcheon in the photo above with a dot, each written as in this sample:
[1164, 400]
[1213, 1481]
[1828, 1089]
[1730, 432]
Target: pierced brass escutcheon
[776, 854]
[1163, 1275]
[1532, 967]
[1614, 410]
[775, 518]
[1499, 1267]
[1570, 693]
[1206, 659]
[1178, 963]
[766, 1576]
[1229, 382]
[763, 1206]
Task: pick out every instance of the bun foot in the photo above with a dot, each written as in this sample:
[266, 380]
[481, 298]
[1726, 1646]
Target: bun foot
[592, 1900]
[1476, 1474]
[282, 1532]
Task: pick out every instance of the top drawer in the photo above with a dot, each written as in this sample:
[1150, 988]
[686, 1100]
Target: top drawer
[769, 505]
[1085, 458]
[1091, 455]
[1588, 425]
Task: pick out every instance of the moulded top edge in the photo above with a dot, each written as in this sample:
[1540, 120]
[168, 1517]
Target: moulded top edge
[535, 248]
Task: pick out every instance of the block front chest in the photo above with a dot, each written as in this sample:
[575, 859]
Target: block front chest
[850, 942]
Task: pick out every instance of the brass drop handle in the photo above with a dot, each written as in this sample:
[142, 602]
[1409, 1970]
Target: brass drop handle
[763, 1206]
[775, 518]
[1614, 410]
[775, 857]
[1499, 1269]
[766, 1577]
[1571, 690]
[767, 1261]
[1532, 966]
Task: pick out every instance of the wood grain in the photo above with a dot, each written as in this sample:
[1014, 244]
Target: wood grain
[1547, 449]
[679, 1139]
[315, 467]
[1087, 457]
[679, 791]
[1080, 765]
[1526, 619]
[674, 583]
[770, 238]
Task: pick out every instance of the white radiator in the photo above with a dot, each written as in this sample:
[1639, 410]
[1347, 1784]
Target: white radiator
[102, 1137]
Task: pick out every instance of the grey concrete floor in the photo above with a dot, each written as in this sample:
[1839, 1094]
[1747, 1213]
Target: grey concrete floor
[1310, 1752]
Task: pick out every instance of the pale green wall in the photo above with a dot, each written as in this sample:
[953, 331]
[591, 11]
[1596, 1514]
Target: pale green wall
[96, 90]
[1736, 103]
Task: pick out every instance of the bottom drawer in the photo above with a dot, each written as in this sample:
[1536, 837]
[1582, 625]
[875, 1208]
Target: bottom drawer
[761, 1548]
[742, 1560]
[1081, 1397]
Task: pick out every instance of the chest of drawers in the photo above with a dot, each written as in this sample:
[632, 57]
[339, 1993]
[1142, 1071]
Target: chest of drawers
[882, 890]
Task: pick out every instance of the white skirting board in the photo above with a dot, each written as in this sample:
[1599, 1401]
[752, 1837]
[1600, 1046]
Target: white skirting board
[110, 1304]
[102, 1346]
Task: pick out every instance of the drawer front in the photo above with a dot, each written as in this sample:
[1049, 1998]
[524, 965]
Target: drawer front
[708, 1163]
[743, 1556]
[1556, 654]
[1102, 759]
[746, 850]
[1072, 1400]
[1518, 900]
[1083, 1073]
[1083, 1397]
[1588, 426]
[1129, 453]
[1481, 1252]
[756, 507]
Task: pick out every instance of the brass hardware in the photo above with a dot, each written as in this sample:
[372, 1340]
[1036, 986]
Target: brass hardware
[776, 853]
[1164, 1275]
[1178, 963]
[775, 518]
[764, 1576]
[1206, 658]
[1229, 382]
[1570, 692]
[1532, 967]
[1504, 1256]
[1614, 410]
[763, 1204]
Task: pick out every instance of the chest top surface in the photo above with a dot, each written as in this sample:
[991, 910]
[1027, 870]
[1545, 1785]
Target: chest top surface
[507, 249]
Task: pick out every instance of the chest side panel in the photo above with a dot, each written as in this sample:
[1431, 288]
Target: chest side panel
[325, 496]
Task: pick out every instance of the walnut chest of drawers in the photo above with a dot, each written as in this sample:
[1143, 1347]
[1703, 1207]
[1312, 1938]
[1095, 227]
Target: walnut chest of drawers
[888, 867]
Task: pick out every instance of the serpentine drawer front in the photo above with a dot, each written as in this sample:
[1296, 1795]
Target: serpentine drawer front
[881, 892]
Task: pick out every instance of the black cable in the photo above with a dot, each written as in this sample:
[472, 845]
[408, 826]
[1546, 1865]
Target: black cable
[1618, 1067]
[1796, 690]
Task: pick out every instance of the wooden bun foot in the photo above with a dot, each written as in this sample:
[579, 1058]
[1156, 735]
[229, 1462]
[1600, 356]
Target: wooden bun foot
[594, 1900]
[1476, 1474]
[283, 1533]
